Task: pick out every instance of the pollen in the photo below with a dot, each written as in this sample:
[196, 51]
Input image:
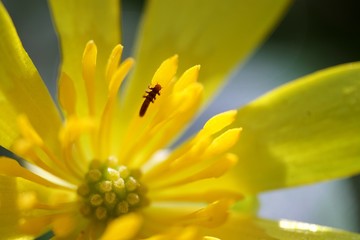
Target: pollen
[109, 191]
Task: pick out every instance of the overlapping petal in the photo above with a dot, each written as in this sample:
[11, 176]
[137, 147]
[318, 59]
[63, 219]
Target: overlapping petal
[303, 132]
[215, 34]
[22, 90]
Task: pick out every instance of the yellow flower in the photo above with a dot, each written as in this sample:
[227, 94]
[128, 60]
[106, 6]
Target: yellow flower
[99, 168]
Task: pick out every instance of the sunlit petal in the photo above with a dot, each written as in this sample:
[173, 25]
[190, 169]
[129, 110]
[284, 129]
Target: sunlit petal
[21, 88]
[215, 34]
[303, 132]
[249, 228]
[285, 229]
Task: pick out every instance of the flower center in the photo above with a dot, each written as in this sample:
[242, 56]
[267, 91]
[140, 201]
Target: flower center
[110, 190]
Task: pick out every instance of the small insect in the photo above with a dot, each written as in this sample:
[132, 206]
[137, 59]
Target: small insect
[149, 96]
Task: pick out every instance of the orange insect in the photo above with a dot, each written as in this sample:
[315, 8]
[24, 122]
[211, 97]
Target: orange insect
[150, 96]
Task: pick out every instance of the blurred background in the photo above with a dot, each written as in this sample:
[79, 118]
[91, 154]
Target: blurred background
[312, 36]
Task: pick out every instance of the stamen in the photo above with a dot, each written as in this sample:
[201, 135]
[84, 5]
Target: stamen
[67, 94]
[224, 142]
[88, 72]
[105, 125]
[113, 62]
[211, 216]
[173, 112]
[189, 76]
[199, 196]
[165, 73]
[69, 136]
[42, 155]
[219, 122]
[163, 76]
[216, 169]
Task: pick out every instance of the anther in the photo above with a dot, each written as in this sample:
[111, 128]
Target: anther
[110, 199]
[119, 186]
[133, 199]
[131, 184]
[124, 172]
[94, 175]
[96, 200]
[105, 186]
[112, 174]
[122, 207]
[101, 213]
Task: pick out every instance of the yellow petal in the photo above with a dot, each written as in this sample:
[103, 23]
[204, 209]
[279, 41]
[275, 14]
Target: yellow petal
[9, 214]
[303, 132]
[22, 89]
[253, 228]
[11, 168]
[210, 33]
[35, 226]
[63, 225]
[125, 227]
[77, 23]
[8, 126]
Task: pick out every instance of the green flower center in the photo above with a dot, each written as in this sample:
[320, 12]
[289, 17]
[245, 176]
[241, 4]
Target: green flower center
[109, 191]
